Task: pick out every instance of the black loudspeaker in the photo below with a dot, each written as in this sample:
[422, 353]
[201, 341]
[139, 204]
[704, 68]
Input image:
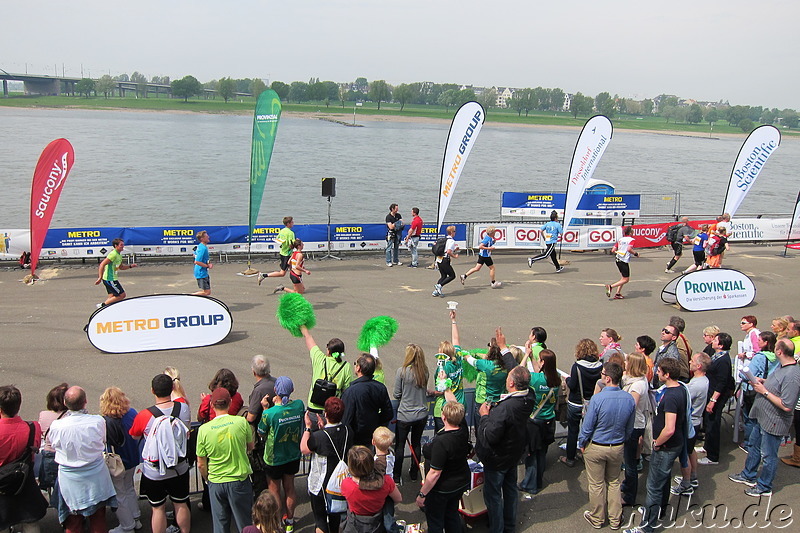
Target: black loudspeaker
[329, 187]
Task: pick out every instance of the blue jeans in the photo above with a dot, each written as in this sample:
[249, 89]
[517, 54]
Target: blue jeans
[232, 497]
[762, 450]
[500, 494]
[413, 244]
[630, 485]
[573, 428]
[658, 484]
[392, 250]
[441, 512]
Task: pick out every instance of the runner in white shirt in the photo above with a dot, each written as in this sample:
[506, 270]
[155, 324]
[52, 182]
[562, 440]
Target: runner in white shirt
[622, 253]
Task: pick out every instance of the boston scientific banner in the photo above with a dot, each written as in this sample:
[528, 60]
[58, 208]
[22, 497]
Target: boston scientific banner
[159, 322]
[759, 145]
[711, 289]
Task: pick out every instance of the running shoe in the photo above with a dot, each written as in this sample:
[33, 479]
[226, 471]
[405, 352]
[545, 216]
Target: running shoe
[680, 490]
[463, 278]
[278, 289]
[261, 278]
[559, 269]
[436, 293]
[100, 305]
[530, 262]
[608, 291]
[288, 524]
[413, 265]
[669, 271]
[706, 461]
[755, 492]
[618, 296]
[399, 263]
[693, 482]
[388, 264]
[739, 478]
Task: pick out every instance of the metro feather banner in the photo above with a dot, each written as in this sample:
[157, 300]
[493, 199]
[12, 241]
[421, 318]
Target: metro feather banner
[265, 127]
[464, 130]
[48, 181]
[759, 145]
[592, 143]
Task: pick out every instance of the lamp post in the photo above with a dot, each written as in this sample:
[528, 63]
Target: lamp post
[356, 104]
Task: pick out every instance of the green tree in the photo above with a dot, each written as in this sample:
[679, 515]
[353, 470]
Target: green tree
[281, 89]
[402, 94]
[736, 114]
[105, 85]
[186, 87]
[380, 91]
[605, 104]
[668, 112]
[518, 101]
[622, 105]
[257, 86]
[85, 86]
[789, 118]
[767, 117]
[746, 125]
[575, 104]
[712, 116]
[488, 98]
[331, 91]
[540, 99]
[297, 91]
[448, 98]
[316, 91]
[694, 115]
[647, 106]
[557, 98]
[361, 85]
[226, 88]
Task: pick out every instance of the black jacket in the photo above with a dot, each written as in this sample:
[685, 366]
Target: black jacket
[366, 407]
[502, 434]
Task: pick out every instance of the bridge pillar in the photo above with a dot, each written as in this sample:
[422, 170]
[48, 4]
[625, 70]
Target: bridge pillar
[5, 88]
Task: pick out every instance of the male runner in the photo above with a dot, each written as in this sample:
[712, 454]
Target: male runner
[202, 264]
[551, 231]
[286, 239]
[107, 273]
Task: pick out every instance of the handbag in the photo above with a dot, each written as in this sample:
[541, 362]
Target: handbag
[114, 464]
[584, 401]
[534, 431]
[335, 502]
[324, 388]
[14, 474]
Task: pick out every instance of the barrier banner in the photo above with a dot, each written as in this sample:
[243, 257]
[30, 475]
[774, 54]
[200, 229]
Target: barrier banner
[653, 235]
[524, 204]
[759, 145]
[51, 172]
[13, 242]
[710, 289]
[528, 236]
[159, 322]
[592, 143]
[265, 127]
[464, 130]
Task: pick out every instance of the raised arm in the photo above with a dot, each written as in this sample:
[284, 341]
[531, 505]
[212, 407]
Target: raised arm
[307, 336]
[454, 329]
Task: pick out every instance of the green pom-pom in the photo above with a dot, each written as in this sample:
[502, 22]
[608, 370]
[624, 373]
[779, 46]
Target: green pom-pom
[295, 311]
[377, 332]
[469, 372]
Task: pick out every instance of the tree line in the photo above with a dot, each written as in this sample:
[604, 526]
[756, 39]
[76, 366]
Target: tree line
[451, 95]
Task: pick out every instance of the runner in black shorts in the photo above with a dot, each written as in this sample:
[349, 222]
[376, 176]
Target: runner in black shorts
[296, 270]
[485, 249]
[156, 491]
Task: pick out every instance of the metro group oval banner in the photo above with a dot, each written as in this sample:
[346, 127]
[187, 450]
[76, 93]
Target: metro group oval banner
[714, 288]
[159, 322]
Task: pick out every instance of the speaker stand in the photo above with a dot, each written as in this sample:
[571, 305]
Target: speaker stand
[329, 255]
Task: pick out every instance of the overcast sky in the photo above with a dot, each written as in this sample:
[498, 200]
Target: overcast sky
[735, 50]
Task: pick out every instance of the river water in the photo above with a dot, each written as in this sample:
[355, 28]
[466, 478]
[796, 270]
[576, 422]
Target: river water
[148, 169]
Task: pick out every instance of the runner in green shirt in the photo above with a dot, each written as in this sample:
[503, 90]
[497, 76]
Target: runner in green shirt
[286, 240]
[107, 273]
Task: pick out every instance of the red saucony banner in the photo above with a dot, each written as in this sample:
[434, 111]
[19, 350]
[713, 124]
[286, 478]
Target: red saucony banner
[755, 151]
[593, 141]
[48, 180]
[464, 130]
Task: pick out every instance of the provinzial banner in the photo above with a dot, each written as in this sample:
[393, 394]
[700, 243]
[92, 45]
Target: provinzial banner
[464, 131]
[48, 181]
[759, 145]
[159, 322]
[592, 143]
[265, 128]
[710, 289]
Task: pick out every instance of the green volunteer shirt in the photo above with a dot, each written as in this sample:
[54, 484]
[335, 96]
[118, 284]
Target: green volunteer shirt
[341, 376]
[282, 424]
[480, 388]
[539, 386]
[286, 238]
[495, 378]
[453, 369]
[223, 441]
[110, 271]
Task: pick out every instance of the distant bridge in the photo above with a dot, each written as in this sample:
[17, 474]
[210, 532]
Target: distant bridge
[56, 85]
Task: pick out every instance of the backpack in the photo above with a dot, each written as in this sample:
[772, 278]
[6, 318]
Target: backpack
[168, 433]
[14, 474]
[439, 246]
[672, 233]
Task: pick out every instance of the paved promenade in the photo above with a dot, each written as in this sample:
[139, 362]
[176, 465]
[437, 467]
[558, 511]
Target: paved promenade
[43, 343]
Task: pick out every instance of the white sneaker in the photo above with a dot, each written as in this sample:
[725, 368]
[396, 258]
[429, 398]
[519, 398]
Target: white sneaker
[669, 271]
[706, 461]
[389, 264]
[173, 529]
